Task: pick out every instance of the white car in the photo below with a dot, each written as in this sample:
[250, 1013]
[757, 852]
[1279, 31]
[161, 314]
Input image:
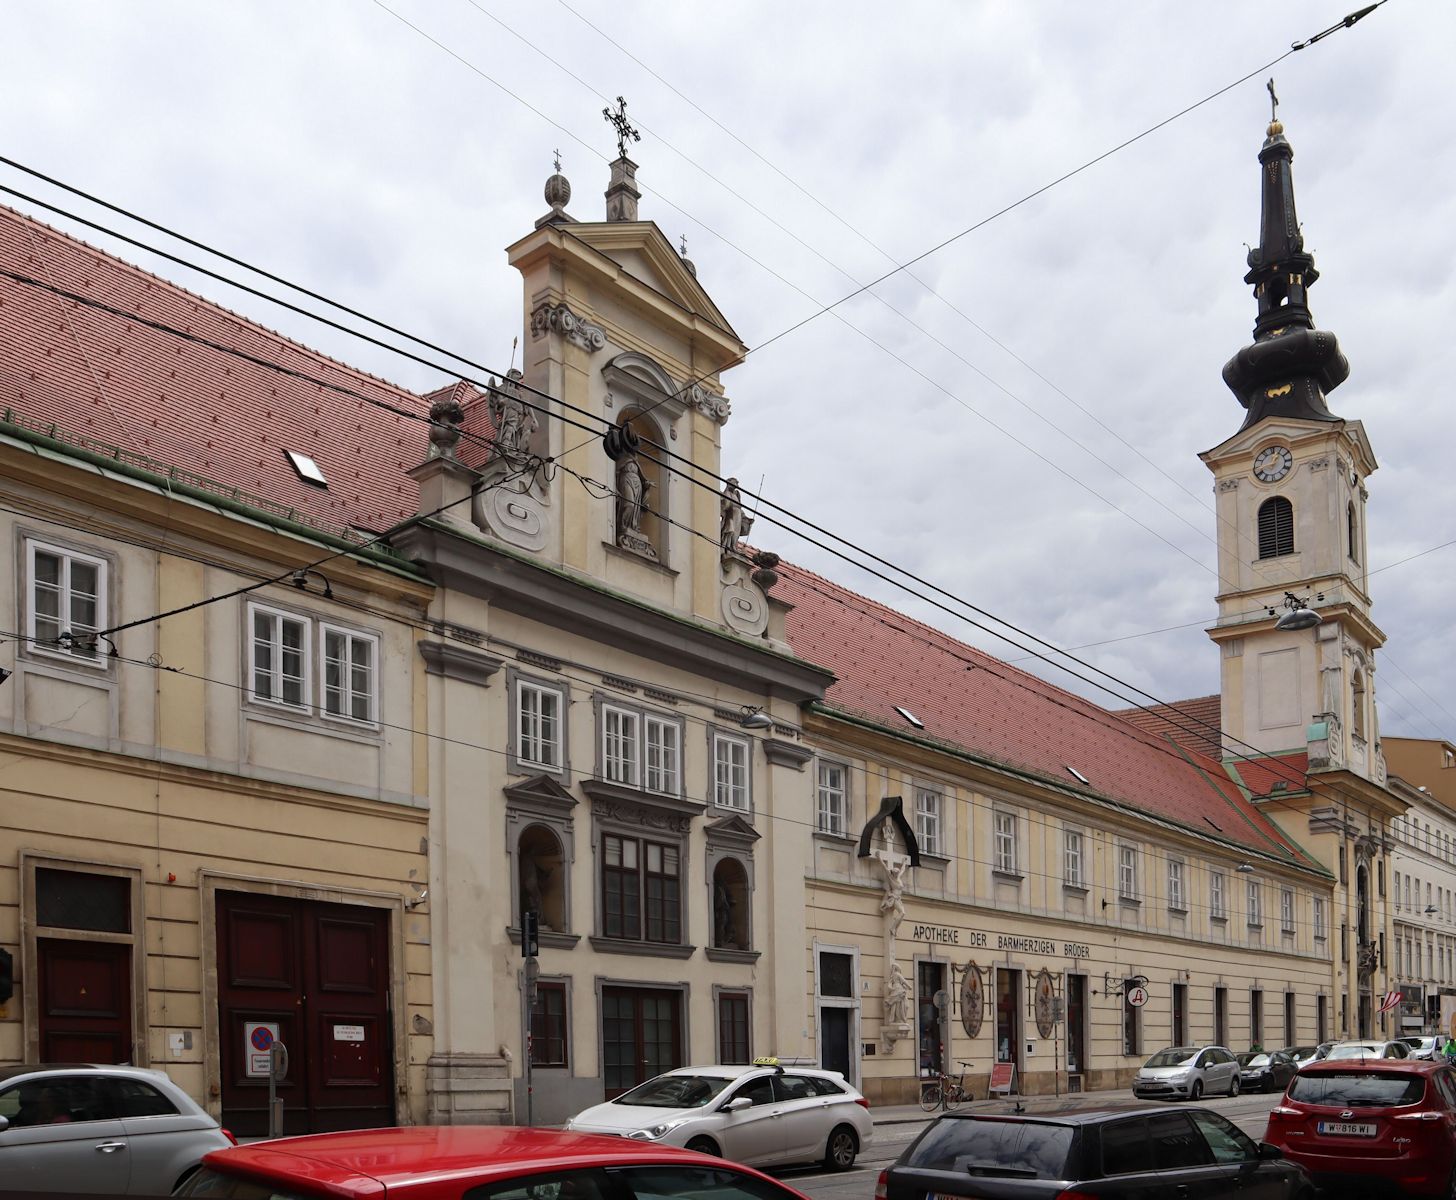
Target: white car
[1368, 1049]
[756, 1115]
[120, 1130]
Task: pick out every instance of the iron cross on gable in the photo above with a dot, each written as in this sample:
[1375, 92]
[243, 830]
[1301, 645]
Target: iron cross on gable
[618, 121]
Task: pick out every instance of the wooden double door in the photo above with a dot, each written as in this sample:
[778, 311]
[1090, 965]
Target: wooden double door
[317, 977]
[641, 1036]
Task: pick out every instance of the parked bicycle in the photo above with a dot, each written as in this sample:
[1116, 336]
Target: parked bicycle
[945, 1092]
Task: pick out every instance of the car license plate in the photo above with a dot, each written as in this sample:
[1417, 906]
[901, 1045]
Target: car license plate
[1347, 1128]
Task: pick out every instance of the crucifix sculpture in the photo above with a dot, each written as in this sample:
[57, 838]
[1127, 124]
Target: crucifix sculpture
[618, 121]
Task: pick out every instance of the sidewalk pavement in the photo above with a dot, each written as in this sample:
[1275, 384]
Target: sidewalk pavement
[913, 1114]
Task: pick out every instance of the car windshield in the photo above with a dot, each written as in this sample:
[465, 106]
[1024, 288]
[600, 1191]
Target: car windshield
[1358, 1089]
[1174, 1057]
[1253, 1060]
[1020, 1149]
[1357, 1051]
[675, 1091]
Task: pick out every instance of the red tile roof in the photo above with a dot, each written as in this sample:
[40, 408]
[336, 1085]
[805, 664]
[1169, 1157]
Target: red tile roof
[126, 385]
[1193, 723]
[101, 376]
[970, 701]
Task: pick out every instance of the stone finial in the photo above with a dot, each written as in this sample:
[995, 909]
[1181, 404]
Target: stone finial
[622, 193]
[558, 196]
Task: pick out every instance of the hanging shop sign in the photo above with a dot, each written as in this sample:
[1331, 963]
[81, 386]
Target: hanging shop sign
[973, 1005]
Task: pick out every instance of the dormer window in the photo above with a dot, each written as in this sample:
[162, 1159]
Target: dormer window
[1276, 528]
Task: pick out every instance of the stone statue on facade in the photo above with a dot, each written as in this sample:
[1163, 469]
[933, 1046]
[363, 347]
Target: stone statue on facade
[632, 490]
[892, 903]
[733, 523]
[533, 881]
[724, 932]
[445, 418]
[514, 420]
[897, 997]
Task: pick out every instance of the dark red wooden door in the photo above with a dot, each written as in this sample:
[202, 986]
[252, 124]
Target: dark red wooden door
[320, 974]
[84, 1000]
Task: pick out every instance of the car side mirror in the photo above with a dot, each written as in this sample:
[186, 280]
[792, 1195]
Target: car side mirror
[4, 1124]
[738, 1104]
[1270, 1153]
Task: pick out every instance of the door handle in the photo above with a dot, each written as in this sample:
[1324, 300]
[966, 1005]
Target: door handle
[110, 1147]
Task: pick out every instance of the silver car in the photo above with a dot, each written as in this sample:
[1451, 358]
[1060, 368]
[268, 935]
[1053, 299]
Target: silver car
[99, 1129]
[1427, 1048]
[1186, 1073]
[1368, 1049]
[756, 1115]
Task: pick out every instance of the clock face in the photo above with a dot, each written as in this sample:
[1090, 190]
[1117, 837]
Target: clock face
[1273, 463]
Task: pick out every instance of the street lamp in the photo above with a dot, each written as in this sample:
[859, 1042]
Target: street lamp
[1299, 615]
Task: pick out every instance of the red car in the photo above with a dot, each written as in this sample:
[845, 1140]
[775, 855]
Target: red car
[481, 1162]
[1388, 1122]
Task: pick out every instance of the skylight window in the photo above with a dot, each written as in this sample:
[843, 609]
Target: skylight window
[910, 716]
[1078, 776]
[307, 469]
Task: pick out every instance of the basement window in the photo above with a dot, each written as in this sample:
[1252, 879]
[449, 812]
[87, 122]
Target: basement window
[307, 469]
[910, 716]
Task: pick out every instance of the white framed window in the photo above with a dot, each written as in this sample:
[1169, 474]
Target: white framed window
[664, 755]
[928, 820]
[1254, 903]
[1006, 849]
[1396, 877]
[621, 746]
[833, 798]
[278, 650]
[1286, 910]
[1319, 922]
[730, 772]
[1218, 895]
[1127, 882]
[1073, 874]
[538, 725]
[350, 674]
[1176, 897]
[67, 595]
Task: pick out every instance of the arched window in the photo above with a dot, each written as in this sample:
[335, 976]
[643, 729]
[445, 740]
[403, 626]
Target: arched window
[731, 908]
[1357, 720]
[1276, 528]
[543, 879]
[1354, 532]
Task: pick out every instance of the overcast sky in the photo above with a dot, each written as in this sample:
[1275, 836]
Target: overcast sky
[1020, 422]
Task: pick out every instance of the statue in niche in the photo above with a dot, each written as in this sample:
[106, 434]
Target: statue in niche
[897, 997]
[534, 876]
[724, 927]
[733, 523]
[632, 490]
[515, 423]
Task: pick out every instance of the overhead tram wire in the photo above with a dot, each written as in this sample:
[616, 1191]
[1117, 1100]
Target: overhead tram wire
[1279, 856]
[1224, 738]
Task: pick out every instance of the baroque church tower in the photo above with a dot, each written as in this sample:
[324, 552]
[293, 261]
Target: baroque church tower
[1294, 629]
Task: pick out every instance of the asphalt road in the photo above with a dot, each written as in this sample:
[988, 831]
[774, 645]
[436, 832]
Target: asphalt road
[1249, 1113]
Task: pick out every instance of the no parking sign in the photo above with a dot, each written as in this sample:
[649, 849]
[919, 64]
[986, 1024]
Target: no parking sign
[258, 1039]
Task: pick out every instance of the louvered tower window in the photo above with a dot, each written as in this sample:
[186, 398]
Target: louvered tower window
[1276, 528]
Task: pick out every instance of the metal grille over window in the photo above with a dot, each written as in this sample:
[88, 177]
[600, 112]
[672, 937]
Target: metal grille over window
[82, 900]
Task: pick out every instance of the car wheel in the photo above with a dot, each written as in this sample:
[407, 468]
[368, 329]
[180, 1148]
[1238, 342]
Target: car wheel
[1196, 1091]
[839, 1153]
[1233, 1087]
[704, 1145]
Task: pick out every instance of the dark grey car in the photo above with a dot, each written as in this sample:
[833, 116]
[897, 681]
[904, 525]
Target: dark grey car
[1113, 1153]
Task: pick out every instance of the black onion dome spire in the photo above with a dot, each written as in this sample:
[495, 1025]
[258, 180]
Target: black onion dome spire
[1291, 365]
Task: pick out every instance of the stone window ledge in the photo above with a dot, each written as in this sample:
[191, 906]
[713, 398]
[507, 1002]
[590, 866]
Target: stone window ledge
[1177, 910]
[642, 949]
[1074, 889]
[1006, 876]
[725, 955]
[546, 937]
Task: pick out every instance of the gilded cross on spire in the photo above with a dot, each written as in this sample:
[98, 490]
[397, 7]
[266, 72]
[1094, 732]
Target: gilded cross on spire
[618, 121]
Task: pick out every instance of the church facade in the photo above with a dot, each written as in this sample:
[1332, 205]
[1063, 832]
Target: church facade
[611, 789]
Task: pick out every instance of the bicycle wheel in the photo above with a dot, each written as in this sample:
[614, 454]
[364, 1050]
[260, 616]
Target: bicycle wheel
[955, 1096]
[930, 1095]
